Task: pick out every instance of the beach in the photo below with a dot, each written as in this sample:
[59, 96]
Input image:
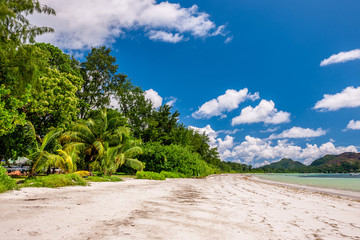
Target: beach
[228, 206]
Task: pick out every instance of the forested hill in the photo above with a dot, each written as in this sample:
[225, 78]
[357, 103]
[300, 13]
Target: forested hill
[286, 163]
[345, 162]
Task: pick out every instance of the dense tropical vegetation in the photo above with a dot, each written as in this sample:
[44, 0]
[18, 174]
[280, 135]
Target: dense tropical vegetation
[57, 112]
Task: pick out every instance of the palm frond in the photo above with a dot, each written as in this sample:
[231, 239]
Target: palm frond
[52, 135]
[134, 164]
[132, 152]
[99, 147]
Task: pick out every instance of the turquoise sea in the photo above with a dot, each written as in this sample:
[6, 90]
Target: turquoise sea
[343, 181]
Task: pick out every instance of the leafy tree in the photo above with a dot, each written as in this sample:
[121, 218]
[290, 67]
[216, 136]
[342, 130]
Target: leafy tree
[99, 74]
[55, 104]
[15, 26]
[17, 61]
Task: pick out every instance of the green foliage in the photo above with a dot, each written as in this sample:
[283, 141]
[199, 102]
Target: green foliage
[150, 175]
[107, 144]
[6, 182]
[233, 167]
[103, 179]
[9, 113]
[55, 181]
[39, 154]
[174, 158]
[54, 104]
[172, 174]
[13, 23]
[99, 74]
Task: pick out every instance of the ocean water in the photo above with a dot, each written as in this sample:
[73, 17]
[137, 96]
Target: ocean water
[344, 181]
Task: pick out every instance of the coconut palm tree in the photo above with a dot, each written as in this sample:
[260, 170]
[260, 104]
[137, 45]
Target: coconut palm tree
[105, 142]
[38, 154]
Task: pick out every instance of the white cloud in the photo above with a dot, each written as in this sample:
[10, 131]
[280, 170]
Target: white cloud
[154, 97]
[228, 40]
[264, 112]
[298, 132]
[165, 36]
[225, 144]
[256, 149]
[82, 24]
[229, 132]
[261, 164]
[348, 98]
[208, 131]
[224, 103]
[353, 125]
[341, 57]
[171, 102]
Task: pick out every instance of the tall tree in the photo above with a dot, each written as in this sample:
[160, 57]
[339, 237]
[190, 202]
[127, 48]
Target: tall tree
[99, 74]
[16, 59]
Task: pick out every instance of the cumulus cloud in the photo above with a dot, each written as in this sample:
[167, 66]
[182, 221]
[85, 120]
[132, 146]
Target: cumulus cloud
[341, 57]
[256, 149]
[82, 24]
[298, 132]
[348, 98]
[165, 36]
[261, 164]
[264, 112]
[222, 144]
[212, 134]
[224, 103]
[171, 101]
[154, 97]
[353, 125]
[229, 132]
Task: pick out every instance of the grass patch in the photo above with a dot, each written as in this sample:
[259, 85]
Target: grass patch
[6, 182]
[150, 175]
[172, 174]
[103, 179]
[55, 181]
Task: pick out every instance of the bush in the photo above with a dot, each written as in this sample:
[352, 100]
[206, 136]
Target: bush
[55, 181]
[174, 158]
[172, 174]
[150, 175]
[104, 179]
[6, 182]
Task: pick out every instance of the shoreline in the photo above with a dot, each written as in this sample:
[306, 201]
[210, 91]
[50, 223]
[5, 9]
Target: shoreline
[228, 206]
[354, 195]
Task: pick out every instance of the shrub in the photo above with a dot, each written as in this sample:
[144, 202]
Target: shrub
[104, 179]
[150, 175]
[6, 182]
[55, 180]
[172, 174]
[174, 158]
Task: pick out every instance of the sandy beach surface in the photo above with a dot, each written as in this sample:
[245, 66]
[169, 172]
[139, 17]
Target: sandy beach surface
[229, 206]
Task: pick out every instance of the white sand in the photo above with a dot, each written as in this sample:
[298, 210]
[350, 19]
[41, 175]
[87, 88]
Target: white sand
[218, 207]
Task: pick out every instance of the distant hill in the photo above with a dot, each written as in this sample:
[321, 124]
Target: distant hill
[345, 162]
[337, 160]
[286, 163]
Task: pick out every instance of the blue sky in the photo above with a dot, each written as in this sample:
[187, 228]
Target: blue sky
[263, 56]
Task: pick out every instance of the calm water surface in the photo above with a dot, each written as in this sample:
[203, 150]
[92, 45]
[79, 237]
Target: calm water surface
[343, 181]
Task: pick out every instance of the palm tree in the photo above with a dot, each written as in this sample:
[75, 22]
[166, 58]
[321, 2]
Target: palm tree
[38, 154]
[124, 153]
[106, 143]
